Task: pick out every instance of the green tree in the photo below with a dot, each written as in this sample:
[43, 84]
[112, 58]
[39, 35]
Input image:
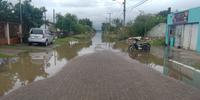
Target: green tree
[32, 16]
[70, 23]
[6, 11]
[86, 21]
[66, 23]
[117, 23]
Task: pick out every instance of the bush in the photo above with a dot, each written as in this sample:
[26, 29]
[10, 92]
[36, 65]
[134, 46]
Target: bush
[157, 42]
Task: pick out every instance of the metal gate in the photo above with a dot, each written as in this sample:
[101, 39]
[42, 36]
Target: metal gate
[190, 36]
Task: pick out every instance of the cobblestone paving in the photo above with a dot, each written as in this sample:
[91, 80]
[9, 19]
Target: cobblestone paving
[105, 75]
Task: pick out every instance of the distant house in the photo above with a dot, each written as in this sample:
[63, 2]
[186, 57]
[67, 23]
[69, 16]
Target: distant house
[9, 33]
[158, 31]
[47, 26]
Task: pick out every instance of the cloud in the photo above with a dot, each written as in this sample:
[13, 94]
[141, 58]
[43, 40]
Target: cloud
[82, 3]
[97, 10]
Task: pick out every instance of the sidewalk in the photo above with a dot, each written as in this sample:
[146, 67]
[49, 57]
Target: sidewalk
[188, 57]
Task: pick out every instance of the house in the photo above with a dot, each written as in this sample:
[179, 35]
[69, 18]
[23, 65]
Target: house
[9, 33]
[157, 31]
[183, 29]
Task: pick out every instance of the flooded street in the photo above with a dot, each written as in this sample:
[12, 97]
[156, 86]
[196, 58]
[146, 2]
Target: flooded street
[29, 67]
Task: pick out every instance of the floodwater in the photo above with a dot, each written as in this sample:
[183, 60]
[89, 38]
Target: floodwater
[29, 67]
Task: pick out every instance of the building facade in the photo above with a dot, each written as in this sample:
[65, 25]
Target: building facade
[183, 29]
[9, 33]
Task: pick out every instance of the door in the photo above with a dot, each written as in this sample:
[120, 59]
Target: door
[186, 36]
[194, 35]
[179, 35]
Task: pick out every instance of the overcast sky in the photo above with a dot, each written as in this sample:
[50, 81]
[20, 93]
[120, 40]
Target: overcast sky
[97, 10]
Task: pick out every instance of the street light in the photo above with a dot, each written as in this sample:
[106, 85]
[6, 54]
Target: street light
[124, 11]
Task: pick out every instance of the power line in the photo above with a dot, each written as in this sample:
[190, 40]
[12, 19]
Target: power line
[138, 4]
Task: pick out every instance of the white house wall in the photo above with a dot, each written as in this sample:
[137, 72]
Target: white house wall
[186, 36]
[190, 36]
[194, 35]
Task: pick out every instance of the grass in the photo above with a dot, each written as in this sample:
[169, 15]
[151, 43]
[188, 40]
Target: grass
[24, 47]
[109, 37]
[196, 66]
[78, 37]
[6, 56]
[157, 42]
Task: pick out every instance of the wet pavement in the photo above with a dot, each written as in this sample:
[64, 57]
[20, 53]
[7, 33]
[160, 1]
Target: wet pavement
[29, 67]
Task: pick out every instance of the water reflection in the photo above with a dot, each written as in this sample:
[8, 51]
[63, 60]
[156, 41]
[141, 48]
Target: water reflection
[169, 67]
[180, 71]
[96, 45]
[33, 66]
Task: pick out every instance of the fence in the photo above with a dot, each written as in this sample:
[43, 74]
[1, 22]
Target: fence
[9, 33]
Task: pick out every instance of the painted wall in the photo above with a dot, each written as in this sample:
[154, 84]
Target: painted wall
[170, 19]
[198, 40]
[158, 31]
[194, 17]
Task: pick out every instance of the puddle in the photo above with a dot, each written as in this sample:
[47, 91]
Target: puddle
[33, 66]
[169, 67]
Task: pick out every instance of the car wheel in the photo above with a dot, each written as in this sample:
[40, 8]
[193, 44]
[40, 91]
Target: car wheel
[29, 43]
[46, 43]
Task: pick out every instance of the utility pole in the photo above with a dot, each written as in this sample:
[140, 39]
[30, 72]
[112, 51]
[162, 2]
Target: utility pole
[45, 20]
[54, 17]
[124, 12]
[110, 17]
[20, 16]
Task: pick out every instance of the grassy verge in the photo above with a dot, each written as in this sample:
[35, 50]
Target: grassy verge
[24, 48]
[109, 37]
[79, 37]
[157, 42]
[6, 56]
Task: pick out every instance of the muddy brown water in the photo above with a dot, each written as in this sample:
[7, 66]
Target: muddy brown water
[29, 67]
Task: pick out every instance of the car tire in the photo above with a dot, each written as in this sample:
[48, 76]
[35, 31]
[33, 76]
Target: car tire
[46, 43]
[29, 43]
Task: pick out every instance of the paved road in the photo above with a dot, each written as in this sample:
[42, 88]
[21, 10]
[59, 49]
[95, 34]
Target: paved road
[106, 76]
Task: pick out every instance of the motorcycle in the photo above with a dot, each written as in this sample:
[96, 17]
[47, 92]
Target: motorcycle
[142, 46]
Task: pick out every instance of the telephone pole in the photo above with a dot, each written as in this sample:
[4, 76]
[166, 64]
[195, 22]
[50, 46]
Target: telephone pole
[54, 16]
[110, 17]
[124, 12]
[20, 18]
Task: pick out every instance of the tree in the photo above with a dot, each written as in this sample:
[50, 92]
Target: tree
[86, 21]
[67, 22]
[70, 23]
[117, 23]
[6, 11]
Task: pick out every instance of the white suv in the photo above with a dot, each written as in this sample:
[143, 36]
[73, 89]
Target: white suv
[38, 35]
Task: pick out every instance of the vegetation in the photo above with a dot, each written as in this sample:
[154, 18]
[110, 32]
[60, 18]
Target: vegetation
[32, 16]
[139, 27]
[78, 37]
[157, 42]
[70, 23]
[81, 29]
[5, 55]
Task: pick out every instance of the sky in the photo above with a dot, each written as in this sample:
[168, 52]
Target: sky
[97, 10]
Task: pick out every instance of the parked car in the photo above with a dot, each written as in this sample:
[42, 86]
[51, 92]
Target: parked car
[38, 35]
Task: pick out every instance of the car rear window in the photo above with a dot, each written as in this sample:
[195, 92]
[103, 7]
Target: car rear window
[37, 32]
